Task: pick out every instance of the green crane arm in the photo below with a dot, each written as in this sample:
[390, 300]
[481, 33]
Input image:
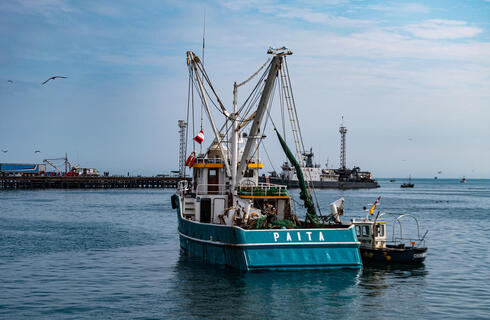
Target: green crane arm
[304, 194]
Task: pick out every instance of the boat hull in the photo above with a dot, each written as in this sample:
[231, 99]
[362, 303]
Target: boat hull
[271, 249]
[326, 184]
[408, 255]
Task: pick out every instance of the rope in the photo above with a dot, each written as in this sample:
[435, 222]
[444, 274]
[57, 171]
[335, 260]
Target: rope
[268, 157]
[187, 120]
[253, 75]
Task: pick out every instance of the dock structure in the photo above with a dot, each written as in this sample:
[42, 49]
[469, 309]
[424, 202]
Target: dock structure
[82, 182]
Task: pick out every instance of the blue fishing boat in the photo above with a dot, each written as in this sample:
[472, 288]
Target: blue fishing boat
[225, 216]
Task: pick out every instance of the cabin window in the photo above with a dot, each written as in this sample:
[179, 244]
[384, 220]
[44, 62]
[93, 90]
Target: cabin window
[365, 230]
[212, 172]
[249, 173]
[358, 231]
[381, 231]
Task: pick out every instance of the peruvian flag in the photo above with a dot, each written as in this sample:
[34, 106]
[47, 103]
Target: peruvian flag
[200, 137]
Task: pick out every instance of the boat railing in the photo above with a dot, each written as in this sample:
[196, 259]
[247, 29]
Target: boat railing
[209, 160]
[212, 189]
[408, 241]
[262, 189]
[183, 186]
[396, 240]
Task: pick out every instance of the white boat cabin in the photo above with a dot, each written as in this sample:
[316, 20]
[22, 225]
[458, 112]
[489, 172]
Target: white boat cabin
[371, 234]
[209, 200]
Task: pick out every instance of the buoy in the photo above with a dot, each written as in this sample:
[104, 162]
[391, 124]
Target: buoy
[189, 159]
[191, 163]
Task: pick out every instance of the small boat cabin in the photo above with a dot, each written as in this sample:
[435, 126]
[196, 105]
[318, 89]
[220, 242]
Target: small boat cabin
[371, 234]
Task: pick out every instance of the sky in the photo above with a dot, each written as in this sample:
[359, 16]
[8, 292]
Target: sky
[411, 79]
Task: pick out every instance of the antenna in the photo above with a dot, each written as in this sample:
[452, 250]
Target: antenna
[203, 34]
[202, 61]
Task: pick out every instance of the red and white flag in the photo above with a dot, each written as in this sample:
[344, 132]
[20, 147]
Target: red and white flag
[200, 137]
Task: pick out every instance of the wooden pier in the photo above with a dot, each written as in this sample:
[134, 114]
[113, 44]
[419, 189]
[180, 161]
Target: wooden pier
[63, 182]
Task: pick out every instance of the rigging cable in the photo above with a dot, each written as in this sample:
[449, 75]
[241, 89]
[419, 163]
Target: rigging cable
[300, 134]
[271, 100]
[193, 113]
[189, 88]
[253, 75]
[268, 157]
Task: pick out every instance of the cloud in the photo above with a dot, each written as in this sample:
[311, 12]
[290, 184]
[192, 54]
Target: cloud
[44, 7]
[310, 11]
[243, 4]
[443, 29]
[401, 8]
[313, 16]
[104, 9]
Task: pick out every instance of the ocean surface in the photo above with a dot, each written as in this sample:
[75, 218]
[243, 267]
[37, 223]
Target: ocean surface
[114, 254]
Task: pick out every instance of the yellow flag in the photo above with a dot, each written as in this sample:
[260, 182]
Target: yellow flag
[371, 211]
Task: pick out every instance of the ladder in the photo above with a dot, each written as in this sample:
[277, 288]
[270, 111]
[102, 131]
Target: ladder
[189, 211]
[293, 116]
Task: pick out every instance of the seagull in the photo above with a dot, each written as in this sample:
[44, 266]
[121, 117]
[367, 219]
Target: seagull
[5, 150]
[54, 77]
[10, 81]
[37, 151]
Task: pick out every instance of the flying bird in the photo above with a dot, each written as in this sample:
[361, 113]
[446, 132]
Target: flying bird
[54, 77]
[5, 150]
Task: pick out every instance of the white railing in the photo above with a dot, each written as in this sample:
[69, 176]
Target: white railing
[204, 189]
[209, 160]
[262, 189]
[182, 186]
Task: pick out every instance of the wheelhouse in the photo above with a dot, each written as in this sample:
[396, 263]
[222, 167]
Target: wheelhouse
[371, 234]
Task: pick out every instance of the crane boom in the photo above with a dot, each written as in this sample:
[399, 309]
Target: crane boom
[259, 114]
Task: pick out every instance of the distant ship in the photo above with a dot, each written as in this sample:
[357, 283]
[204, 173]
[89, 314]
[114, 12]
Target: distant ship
[326, 178]
[408, 184]
[463, 180]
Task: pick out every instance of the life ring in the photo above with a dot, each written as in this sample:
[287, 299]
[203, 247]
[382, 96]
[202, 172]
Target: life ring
[190, 161]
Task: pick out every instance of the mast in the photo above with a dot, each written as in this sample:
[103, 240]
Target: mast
[208, 111]
[255, 130]
[234, 139]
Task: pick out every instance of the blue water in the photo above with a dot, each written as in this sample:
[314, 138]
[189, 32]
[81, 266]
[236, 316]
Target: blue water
[115, 254]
